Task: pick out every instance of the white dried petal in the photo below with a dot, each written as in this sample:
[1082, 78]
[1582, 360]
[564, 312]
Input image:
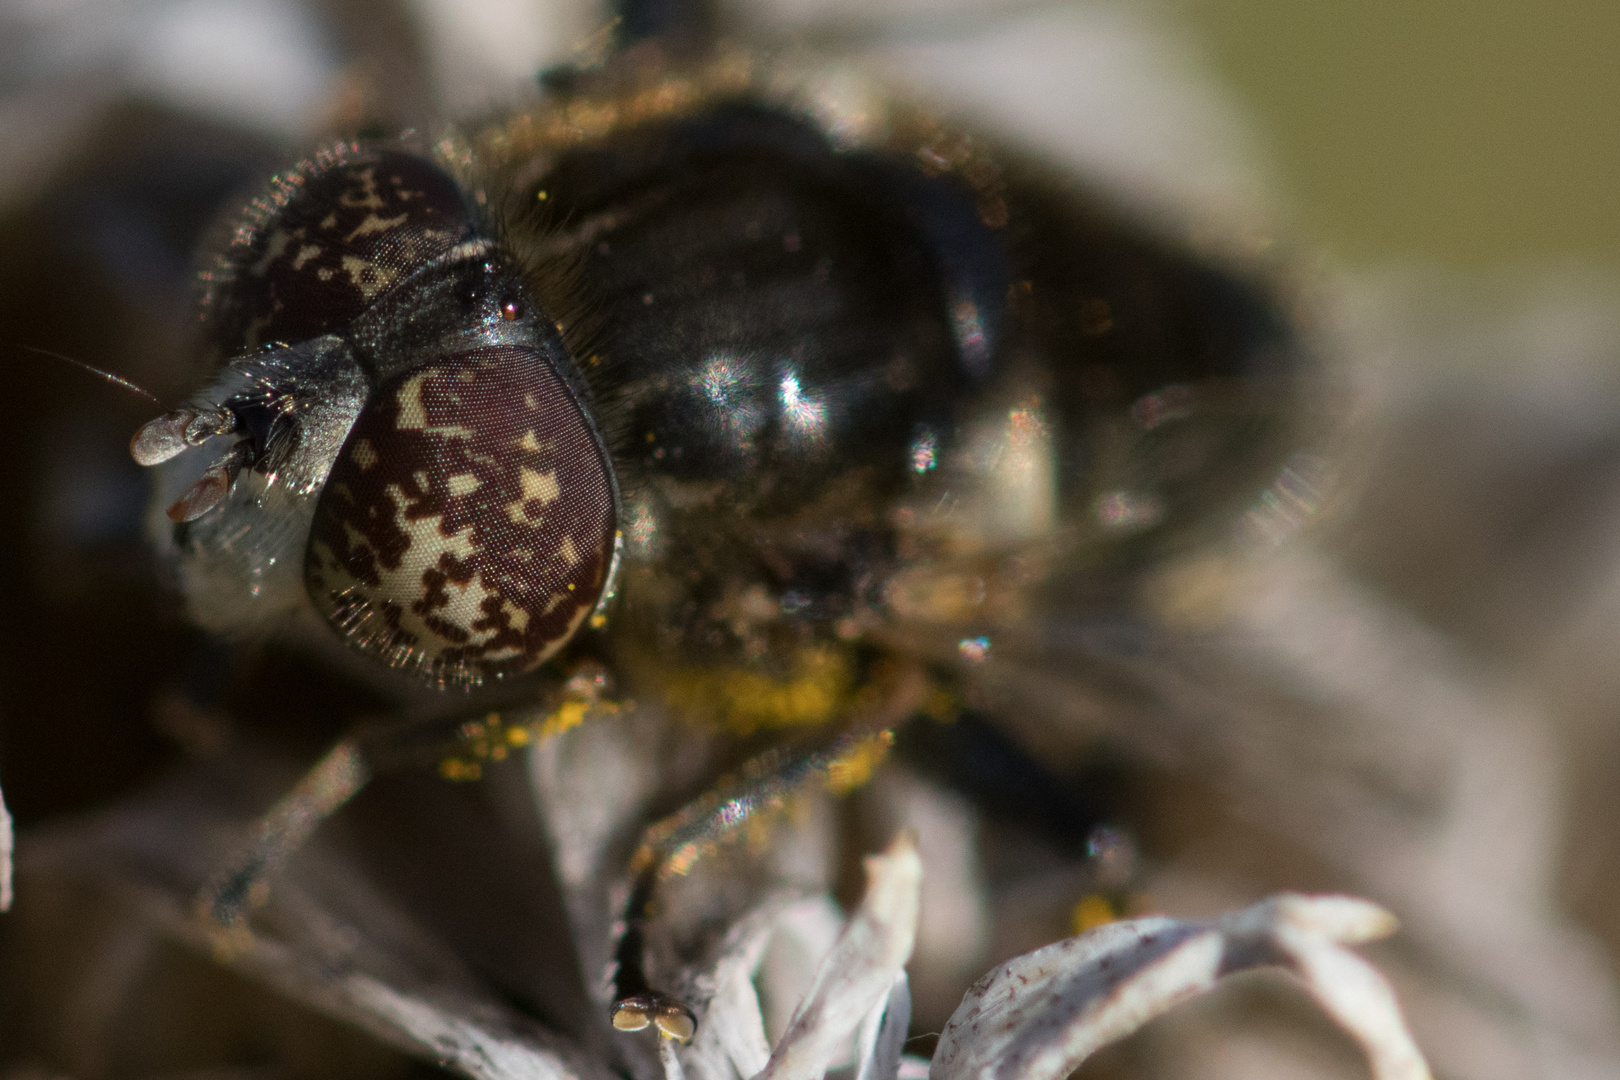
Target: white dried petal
[859, 972]
[325, 938]
[734, 1023]
[461, 1029]
[730, 1043]
[463, 1043]
[667, 1057]
[1311, 931]
[1347, 920]
[882, 1034]
[1040, 1016]
[803, 936]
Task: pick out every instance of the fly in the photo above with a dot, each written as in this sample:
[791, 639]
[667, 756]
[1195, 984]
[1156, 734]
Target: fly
[682, 387]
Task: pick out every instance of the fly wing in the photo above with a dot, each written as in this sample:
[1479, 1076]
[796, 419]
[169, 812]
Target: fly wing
[1333, 731]
[1247, 695]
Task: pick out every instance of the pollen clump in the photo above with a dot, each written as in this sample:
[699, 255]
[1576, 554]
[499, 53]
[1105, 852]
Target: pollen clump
[1092, 911]
[855, 768]
[744, 702]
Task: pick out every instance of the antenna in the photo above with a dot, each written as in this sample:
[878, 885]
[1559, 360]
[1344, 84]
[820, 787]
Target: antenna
[116, 380]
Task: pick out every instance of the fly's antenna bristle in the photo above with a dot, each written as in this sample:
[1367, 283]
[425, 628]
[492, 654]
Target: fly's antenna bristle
[116, 380]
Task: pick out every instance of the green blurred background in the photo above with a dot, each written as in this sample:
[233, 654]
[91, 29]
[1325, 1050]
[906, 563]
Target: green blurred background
[1467, 135]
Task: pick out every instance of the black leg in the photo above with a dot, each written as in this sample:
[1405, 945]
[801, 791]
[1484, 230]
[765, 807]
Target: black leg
[841, 761]
[458, 746]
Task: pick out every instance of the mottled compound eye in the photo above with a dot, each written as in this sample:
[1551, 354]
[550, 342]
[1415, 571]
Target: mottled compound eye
[467, 528]
[333, 239]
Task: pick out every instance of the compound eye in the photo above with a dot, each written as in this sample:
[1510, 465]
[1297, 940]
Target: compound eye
[467, 528]
[342, 235]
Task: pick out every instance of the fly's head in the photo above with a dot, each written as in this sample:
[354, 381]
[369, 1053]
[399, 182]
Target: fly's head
[397, 441]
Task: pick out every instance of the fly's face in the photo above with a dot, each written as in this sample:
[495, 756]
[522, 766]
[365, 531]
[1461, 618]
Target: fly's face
[398, 440]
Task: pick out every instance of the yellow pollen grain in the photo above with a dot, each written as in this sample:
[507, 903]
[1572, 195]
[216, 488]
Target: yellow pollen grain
[746, 701]
[568, 715]
[1091, 912]
[456, 769]
[855, 768]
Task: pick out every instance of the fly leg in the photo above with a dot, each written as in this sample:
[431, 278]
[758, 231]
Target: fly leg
[245, 883]
[457, 745]
[671, 846]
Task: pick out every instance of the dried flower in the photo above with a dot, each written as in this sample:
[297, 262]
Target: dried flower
[330, 940]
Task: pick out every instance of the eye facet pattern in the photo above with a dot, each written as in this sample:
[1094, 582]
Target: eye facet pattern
[467, 529]
[332, 240]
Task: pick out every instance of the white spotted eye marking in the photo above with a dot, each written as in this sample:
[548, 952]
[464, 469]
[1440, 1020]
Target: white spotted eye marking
[438, 546]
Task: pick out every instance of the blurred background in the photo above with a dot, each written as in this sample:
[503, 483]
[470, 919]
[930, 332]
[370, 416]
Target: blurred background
[1433, 183]
[1469, 137]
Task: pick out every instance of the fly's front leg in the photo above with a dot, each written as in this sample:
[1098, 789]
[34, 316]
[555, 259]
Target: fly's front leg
[458, 747]
[245, 883]
[840, 763]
